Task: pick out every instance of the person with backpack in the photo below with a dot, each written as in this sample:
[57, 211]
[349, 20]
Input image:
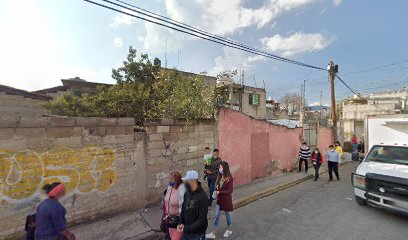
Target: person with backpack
[51, 223]
[173, 201]
[224, 189]
[317, 160]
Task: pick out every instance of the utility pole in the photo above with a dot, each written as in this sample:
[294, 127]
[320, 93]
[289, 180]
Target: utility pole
[333, 70]
[321, 106]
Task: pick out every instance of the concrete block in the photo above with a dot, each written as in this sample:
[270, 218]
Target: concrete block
[153, 153]
[192, 148]
[163, 129]
[126, 122]
[108, 122]
[62, 122]
[120, 130]
[69, 142]
[111, 139]
[155, 137]
[6, 133]
[155, 184]
[125, 138]
[151, 129]
[191, 162]
[14, 145]
[155, 145]
[182, 150]
[30, 132]
[40, 122]
[40, 144]
[176, 129]
[170, 136]
[61, 132]
[86, 121]
[7, 122]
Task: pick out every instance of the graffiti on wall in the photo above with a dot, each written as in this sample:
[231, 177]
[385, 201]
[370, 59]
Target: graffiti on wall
[22, 174]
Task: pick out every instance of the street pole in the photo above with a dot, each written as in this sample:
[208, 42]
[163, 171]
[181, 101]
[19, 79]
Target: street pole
[304, 102]
[332, 70]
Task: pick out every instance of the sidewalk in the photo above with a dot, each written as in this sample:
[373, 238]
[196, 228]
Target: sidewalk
[145, 223]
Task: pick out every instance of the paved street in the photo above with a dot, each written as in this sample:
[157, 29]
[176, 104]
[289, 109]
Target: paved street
[316, 210]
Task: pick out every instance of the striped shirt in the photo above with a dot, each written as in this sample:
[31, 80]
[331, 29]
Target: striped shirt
[304, 152]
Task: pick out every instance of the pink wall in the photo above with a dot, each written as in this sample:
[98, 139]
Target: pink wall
[324, 139]
[253, 148]
[251, 145]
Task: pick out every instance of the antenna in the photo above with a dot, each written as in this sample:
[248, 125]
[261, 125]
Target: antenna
[263, 80]
[178, 59]
[255, 81]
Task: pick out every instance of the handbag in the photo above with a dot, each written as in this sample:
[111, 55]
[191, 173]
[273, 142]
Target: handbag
[172, 220]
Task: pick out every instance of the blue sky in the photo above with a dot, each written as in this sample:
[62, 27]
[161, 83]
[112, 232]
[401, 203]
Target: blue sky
[43, 41]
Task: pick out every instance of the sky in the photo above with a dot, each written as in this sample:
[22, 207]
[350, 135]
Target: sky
[44, 41]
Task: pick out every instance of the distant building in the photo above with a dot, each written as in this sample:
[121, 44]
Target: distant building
[17, 102]
[248, 100]
[76, 86]
[354, 110]
[273, 109]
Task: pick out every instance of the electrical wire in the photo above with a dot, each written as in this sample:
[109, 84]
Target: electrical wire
[196, 32]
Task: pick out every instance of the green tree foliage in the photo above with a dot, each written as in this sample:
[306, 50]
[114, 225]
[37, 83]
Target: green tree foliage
[142, 91]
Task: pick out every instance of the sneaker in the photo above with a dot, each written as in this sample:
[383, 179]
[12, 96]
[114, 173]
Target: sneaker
[210, 235]
[227, 233]
[298, 171]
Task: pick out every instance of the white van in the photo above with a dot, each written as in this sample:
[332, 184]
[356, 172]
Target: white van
[381, 180]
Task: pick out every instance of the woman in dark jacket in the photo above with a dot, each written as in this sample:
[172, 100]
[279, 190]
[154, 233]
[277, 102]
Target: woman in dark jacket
[317, 159]
[224, 189]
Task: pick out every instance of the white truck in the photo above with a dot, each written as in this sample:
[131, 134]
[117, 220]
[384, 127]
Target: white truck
[381, 180]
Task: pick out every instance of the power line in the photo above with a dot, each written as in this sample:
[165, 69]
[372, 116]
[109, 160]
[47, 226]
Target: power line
[348, 86]
[184, 28]
[376, 67]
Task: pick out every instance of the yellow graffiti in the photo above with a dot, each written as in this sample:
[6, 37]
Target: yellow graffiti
[23, 174]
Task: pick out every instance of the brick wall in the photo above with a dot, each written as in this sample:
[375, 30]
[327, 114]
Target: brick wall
[100, 160]
[173, 146]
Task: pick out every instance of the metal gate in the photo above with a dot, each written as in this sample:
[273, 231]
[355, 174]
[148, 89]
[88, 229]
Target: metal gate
[310, 134]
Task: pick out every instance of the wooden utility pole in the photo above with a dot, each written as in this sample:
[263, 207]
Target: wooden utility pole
[332, 70]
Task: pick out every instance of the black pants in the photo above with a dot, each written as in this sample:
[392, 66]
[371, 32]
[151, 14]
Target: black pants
[316, 167]
[333, 167]
[301, 160]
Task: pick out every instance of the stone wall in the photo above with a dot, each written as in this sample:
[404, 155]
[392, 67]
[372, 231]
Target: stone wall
[100, 160]
[16, 105]
[174, 146]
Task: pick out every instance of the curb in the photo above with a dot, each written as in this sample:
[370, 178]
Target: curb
[269, 191]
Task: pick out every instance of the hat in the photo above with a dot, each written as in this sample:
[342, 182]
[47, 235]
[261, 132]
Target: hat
[190, 175]
[331, 146]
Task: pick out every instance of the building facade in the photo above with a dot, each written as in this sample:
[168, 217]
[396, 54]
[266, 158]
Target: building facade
[355, 110]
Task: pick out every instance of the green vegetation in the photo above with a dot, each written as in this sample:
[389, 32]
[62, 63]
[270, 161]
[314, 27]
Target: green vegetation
[142, 91]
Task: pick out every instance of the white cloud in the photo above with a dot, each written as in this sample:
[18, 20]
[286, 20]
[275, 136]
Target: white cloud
[122, 19]
[217, 17]
[234, 59]
[118, 42]
[296, 43]
[337, 3]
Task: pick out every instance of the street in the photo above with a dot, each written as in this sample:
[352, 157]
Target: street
[315, 210]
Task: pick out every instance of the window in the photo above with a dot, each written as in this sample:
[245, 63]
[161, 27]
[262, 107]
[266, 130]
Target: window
[254, 99]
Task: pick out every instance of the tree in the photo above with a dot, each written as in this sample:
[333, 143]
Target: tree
[292, 103]
[142, 91]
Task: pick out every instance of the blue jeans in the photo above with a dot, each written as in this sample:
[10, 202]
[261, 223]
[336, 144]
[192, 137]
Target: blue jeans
[193, 237]
[218, 215]
[211, 187]
[354, 148]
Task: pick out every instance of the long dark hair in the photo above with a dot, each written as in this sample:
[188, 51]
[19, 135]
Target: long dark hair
[318, 154]
[226, 169]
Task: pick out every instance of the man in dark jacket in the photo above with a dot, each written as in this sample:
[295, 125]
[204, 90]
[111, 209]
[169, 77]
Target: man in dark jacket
[212, 173]
[193, 217]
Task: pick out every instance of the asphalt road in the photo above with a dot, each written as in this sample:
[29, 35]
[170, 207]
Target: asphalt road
[315, 210]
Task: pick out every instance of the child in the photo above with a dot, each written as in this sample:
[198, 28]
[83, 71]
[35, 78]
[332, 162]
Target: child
[207, 161]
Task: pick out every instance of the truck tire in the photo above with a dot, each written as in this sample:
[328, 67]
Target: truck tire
[361, 201]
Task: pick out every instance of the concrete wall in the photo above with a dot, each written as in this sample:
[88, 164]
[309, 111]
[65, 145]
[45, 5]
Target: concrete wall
[257, 149]
[15, 105]
[100, 160]
[174, 146]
